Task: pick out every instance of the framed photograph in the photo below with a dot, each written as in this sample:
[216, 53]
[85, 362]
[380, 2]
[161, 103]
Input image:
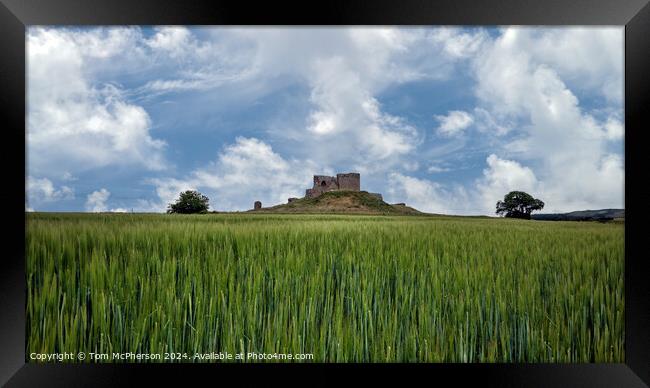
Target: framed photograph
[283, 193]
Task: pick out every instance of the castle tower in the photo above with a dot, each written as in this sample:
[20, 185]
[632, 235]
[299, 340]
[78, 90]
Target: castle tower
[349, 181]
[324, 183]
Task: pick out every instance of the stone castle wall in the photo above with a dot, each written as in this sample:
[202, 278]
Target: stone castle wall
[324, 183]
[350, 181]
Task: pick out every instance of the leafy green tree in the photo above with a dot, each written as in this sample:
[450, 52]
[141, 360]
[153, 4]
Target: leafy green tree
[189, 202]
[517, 204]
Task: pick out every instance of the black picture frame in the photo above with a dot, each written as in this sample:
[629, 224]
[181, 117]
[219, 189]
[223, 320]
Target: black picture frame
[15, 15]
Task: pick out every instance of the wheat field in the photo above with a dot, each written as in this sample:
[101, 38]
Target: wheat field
[343, 288]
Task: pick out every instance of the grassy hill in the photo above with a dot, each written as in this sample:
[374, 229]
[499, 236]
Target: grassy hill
[355, 202]
[583, 215]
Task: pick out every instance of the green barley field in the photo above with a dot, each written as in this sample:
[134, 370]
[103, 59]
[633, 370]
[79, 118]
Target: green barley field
[343, 288]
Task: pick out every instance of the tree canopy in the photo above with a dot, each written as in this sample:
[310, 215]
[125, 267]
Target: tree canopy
[518, 204]
[189, 202]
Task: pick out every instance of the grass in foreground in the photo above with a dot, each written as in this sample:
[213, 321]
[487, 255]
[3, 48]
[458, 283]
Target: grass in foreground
[345, 288]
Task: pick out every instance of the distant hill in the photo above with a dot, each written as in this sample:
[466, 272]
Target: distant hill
[583, 215]
[341, 202]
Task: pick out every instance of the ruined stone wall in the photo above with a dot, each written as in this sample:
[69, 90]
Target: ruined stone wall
[350, 181]
[324, 183]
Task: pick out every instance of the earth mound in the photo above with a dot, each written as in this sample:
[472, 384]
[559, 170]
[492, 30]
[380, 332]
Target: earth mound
[341, 202]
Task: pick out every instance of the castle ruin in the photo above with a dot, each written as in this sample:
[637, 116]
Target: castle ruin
[350, 181]
[346, 181]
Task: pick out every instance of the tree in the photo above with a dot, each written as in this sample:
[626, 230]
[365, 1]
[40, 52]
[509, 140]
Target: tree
[189, 202]
[517, 204]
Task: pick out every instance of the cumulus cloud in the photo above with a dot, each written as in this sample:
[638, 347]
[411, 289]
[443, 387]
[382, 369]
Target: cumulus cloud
[614, 129]
[42, 190]
[345, 70]
[457, 43]
[520, 81]
[343, 84]
[96, 125]
[587, 57]
[454, 122]
[584, 187]
[244, 172]
[501, 177]
[97, 202]
[344, 107]
[192, 64]
[528, 113]
[516, 82]
[589, 184]
[427, 195]
[172, 39]
[522, 88]
[74, 124]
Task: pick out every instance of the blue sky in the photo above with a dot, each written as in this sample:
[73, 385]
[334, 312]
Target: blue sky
[447, 120]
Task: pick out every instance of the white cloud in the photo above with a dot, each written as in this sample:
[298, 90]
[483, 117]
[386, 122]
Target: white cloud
[195, 81]
[410, 165]
[457, 43]
[437, 169]
[501, 177]
[75, 125]
[521, 88]
[345, 108]
[96, 201]
[173, 39]
[528, 87]
[244, 172]
[224, 60]
[514, 82]
[42, 190]
[487, 122]
[573, 188]
[586, 184]
[520, 82]
[454, 122]
[428, 196]
[614, 129]
[590, 58]
[101, 43]
[344, 68]
[68, 177]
